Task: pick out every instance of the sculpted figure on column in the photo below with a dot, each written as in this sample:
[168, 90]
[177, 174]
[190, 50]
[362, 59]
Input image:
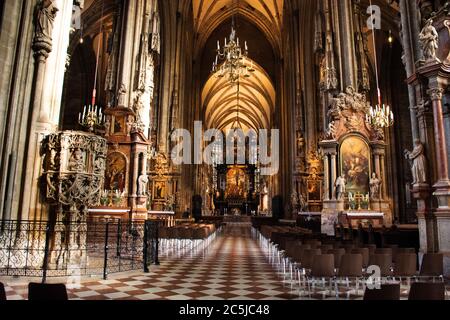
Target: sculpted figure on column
[340, 187]
[429, 39]
[418, 162]
[45, 17]
[375, 187]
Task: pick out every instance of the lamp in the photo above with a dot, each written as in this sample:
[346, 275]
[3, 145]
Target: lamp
[380, 115]
[235, 58]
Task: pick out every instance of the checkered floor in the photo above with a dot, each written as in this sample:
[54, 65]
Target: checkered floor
[233, 267]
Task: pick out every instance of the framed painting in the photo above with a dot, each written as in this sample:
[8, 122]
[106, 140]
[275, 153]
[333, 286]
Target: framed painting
[159, 191]
[314, 190]
[119, 125]
[355, 158]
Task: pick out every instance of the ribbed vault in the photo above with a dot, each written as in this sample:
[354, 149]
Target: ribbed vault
[267, 15]
[256, 102]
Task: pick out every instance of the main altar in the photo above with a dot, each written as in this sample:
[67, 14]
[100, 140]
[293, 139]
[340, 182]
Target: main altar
[236, 191]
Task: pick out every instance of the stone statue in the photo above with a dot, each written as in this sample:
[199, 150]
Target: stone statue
[429, 39]
[170, 203]
[107, 128]
[330, 134]
[142, 184]
[340, 187]
[294, 200]
[302, 203]
[76, 161]
[121, 95]
[375, 187]
[418, 162]
[45, 18]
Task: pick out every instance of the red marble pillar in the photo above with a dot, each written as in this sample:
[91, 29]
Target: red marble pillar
[440, 143]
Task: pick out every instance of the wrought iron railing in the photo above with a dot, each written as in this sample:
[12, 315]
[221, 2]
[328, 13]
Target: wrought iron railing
[43, 249]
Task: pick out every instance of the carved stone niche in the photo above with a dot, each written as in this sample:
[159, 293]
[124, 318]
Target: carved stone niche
[74, 169]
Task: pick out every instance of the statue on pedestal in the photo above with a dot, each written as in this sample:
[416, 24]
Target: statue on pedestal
[45, 18]
[294, 201]
[429, 39]
[340, 187]
[418, 163]
[142, 184]
[375, 187]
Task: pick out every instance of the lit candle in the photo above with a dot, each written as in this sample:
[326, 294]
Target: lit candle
[246, 48]
[84, 112]
[218, 45]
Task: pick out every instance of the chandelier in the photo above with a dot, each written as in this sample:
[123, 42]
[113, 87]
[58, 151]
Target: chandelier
[235, 59]
[92, 115]
[380, 115]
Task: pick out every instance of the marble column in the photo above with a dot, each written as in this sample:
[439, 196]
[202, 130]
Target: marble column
[333, 174]
[443, 182]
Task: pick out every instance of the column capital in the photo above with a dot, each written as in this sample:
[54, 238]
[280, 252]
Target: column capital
[436, 93]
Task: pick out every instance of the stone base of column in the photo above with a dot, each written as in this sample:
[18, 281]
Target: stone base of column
[442, 193]
[443, 237]
[139, 214]
[330, 214]
[427, 232]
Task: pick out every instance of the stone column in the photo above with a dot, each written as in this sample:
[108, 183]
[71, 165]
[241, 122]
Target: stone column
[49, 45]
[326, 178]
[443, 183]
[348, 49]
[333, 174]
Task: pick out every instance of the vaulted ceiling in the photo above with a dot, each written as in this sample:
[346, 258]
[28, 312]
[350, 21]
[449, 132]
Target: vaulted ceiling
[267, 15]
[256, 102]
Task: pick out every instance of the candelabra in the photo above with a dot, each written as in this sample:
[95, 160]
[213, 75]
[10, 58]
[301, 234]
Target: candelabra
[235, 58]
[91, 117]
[381, 117]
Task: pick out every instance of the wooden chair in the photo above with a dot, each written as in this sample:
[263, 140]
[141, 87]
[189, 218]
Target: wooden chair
[427, 291]
[351, 267]
[47, 292]
[387, 292]
[432, 266]
[322, 268]
[2, 292]
[365, 253]
[384, 261]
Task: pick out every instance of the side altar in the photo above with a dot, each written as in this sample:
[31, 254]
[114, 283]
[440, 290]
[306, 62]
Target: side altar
[354, 163]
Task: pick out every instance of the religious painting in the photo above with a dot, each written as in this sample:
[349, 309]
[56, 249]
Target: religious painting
[314, 190]
[355, 164]
[236, 183]
[116, 172]
[119, 125]
[159, 191]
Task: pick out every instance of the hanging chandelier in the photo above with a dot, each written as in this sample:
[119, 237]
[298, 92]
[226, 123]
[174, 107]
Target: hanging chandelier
[92, 115]
[380, 115]
[235, 59]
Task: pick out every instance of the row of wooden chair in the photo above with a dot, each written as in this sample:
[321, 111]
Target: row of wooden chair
[419, 291]
[186, 235]
[303, 259]
[41, 292]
